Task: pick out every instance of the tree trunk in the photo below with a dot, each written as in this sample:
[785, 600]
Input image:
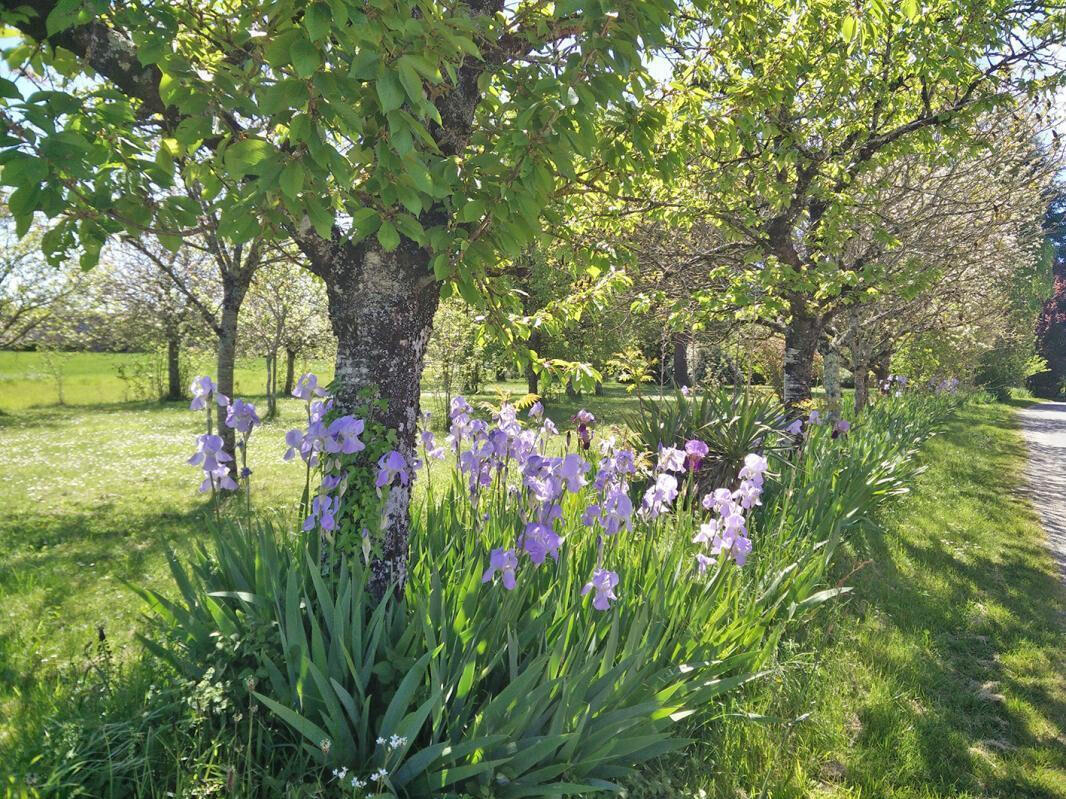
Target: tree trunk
[232, 297]
[880, 368]
[381, 307]
[681, 375]
[801, 342]
[532, 378]
[831, 381]
[290, 371]
[174, 387]
[272, 384]
[861, 372]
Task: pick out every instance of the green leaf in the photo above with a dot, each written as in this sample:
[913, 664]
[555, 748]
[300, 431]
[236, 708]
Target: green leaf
[364, 222]
[286, 94]
[412, 83]
[910, 9]
[848, 28]
[318, 20]
[64, 15]
[9, 89]
[244, 157]
[390, 91]
[305, 58]
[321, 217]
[24, 171]
[388, 237]
[292, 179]
[472, 211]
[191, 130]
[25, 200]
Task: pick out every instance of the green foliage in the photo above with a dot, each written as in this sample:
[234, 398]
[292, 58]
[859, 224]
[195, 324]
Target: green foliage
[732, 424]
[528, 692]
[377, 114]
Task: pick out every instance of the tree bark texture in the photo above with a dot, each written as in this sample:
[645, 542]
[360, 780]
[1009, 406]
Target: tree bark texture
[174, 387]
[290, 371]
[232, 296]
[831, 381]
[801, 342]
[681, 373]
[381, 307]
[861, 372]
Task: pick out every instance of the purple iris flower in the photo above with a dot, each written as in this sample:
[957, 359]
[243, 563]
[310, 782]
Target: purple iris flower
[659, 496]
[318, 409]
[603, 582]
[617, 512]
[391, 466]
[209, 452]
[310, 443]
[307, 388]
[220, 478]
[459, 407]
[294, 439]
[814, 418]
[720, 500]
[748, 494]
[795, 428]
[571, 470]
[504, 561]
[241, 416]
[703, 562]
[331, 481]
[695, 452]
[343, 436]
[536, 410]
[707, 532]
[686, 391]
[523, 446]
[733, 524]
[671, 459]
[203, 390]
[211, 458]
[324, 510]
[841, 428]
[754, 468]
[736, 546]
[591, 515]
[540, 540]
[585, 422]
[430, 443]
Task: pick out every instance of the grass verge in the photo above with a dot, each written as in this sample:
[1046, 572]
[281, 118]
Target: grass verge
[943, 673]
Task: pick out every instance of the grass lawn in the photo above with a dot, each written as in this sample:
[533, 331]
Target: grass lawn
[944, 674]
[92, 378]
[93, 495]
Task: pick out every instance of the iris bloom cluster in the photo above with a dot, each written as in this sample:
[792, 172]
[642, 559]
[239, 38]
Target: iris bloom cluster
[841, 427]
[488, 454]
[507, 456]
[894, 384]
[210, 455]
[726, 534]
[321, 444]
[949, 385]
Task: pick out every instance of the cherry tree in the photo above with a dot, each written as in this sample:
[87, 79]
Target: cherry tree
[791, 110]
[407, 148]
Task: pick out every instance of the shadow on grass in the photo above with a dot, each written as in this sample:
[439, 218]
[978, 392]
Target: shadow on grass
[972, 621]
[61, 572]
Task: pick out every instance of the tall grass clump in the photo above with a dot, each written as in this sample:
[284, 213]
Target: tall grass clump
[564, 617]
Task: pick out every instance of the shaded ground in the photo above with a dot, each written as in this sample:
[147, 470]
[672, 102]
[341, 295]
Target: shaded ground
[1044, 426]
